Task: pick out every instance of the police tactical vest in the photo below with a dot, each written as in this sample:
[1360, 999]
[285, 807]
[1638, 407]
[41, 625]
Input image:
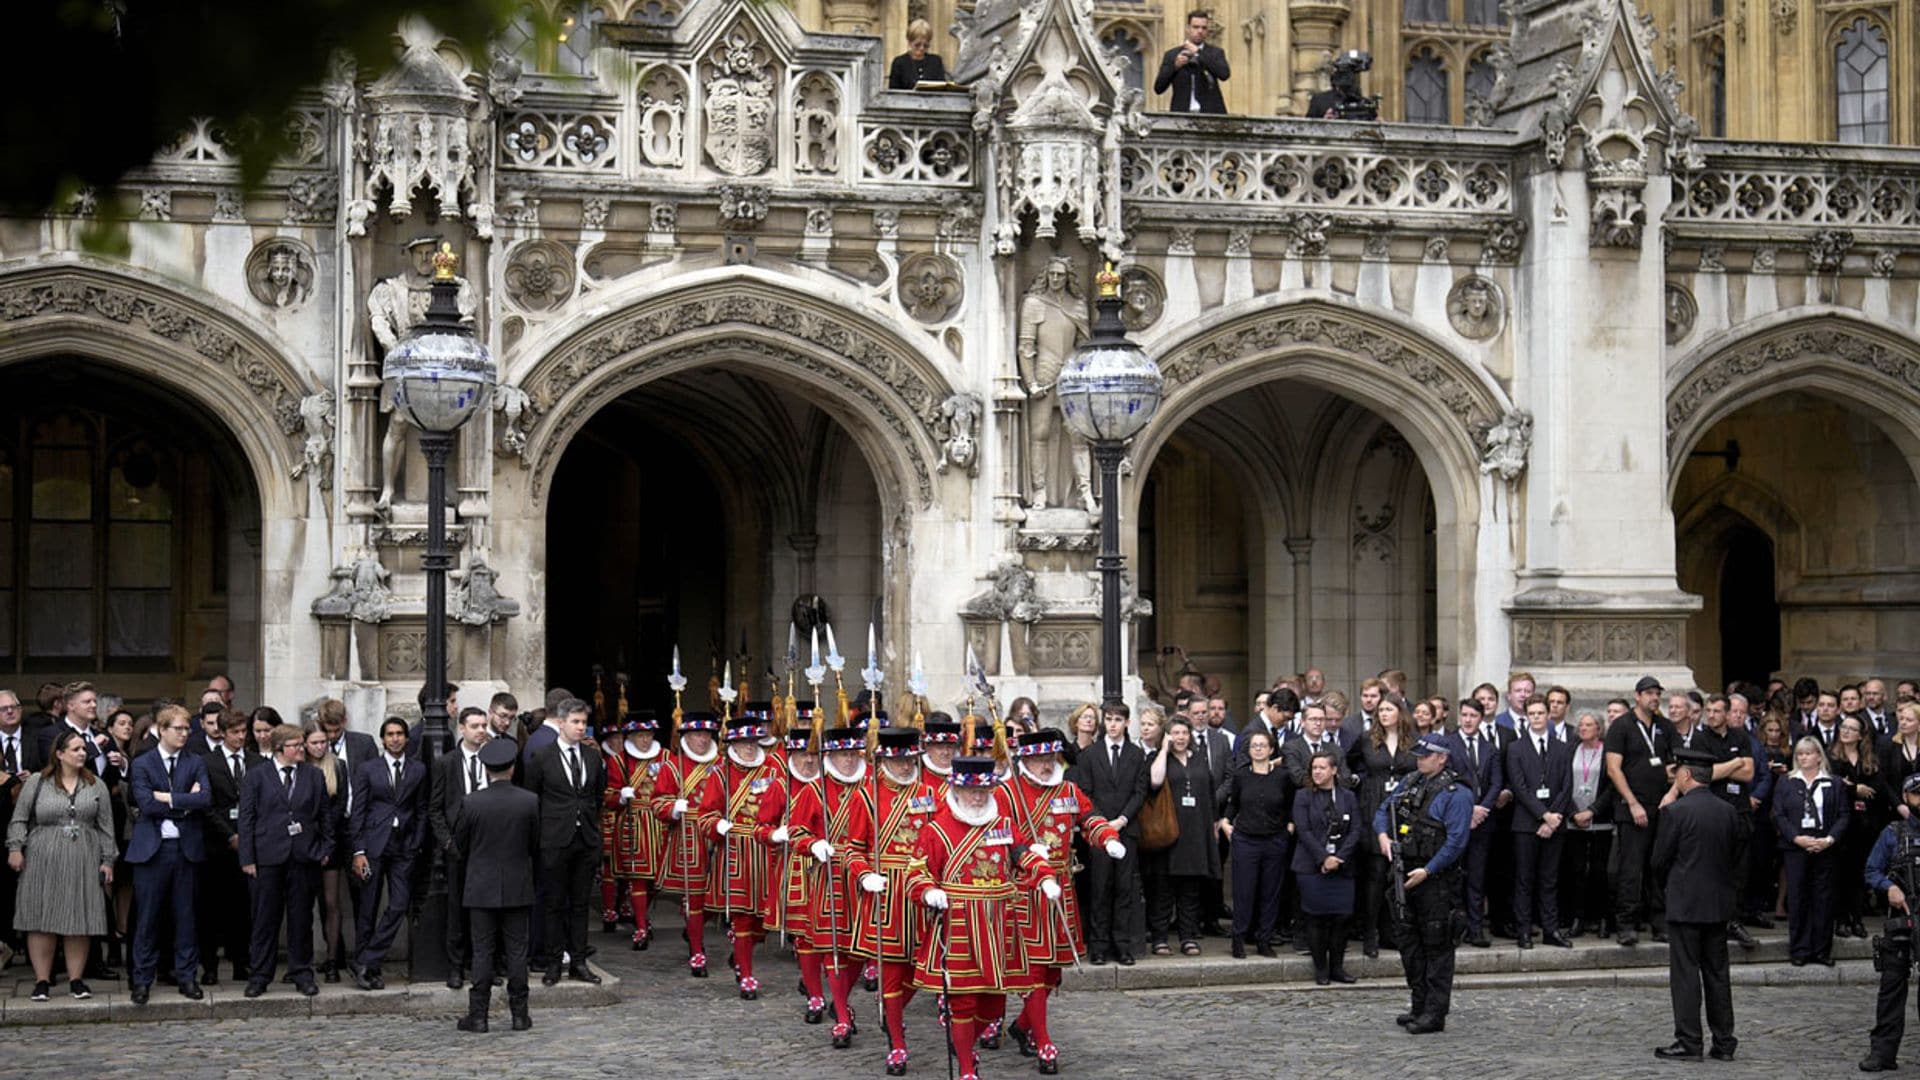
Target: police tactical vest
[1425, 836]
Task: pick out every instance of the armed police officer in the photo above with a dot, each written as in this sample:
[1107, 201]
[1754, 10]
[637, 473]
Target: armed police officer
[1894, 869]
[1423, 828]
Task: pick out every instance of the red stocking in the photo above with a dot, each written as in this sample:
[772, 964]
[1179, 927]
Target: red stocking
[745, 932]
[842, 976]
[696, 933]
[896, 990]
[965, 1026]
[637, 896]
[810, 963]
[1034, 1019]
[609, 898]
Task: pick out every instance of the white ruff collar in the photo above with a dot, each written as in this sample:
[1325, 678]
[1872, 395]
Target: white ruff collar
[927, 764]
[700, 759]
[795, 773]
[858, 774]
[911, 780]
[1058, 776]
[984, 816]
[759, 755]
[649, 754]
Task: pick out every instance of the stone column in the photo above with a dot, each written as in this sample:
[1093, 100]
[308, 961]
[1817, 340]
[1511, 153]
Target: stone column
[851, 16]
[1301, 548]
[1315, 26]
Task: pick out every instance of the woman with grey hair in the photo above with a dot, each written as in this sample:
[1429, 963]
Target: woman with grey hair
[1584, 885]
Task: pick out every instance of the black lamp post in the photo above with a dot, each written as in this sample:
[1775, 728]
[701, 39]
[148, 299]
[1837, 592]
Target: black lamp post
[437, 377]
[1109, 391]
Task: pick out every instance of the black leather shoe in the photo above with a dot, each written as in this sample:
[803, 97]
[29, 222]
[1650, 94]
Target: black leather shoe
[1660, 936]
[552, 977]
[1125, 958]
[1823, 961]
[1798, 961]
[1426, 1027]
[521, 1021]
[255, 989]
[1266, 949]
[1578, 929]
[1758, 922]
[1023, 1039]
[191, 991]
[1480, 940]
[1721, 1053]
[306, 987]
[456, 979]
[1874, 1064]
[1628, 939]
[1238, 949]
[1098, 959]
[1525, 941]
[139, 994]
[210, 976]
[1676, 1052]
[363, 978]
[475, 1024]
[1050, 1067]
[1741, 937]
[582, 973]
[1340, 975]
[1557, 940]
[1403, 1019]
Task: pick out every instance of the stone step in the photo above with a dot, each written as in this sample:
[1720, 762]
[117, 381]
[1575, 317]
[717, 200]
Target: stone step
[1598, 962]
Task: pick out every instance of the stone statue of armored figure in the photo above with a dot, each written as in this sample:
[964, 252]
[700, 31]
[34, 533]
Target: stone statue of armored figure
[395, 306]
[1053, 322]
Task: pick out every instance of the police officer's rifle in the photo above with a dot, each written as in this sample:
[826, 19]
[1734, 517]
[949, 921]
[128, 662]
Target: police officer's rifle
[1397, 863]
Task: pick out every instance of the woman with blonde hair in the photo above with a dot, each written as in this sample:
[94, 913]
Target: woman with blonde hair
[917, 65]
[319, 754]
[1810, 811]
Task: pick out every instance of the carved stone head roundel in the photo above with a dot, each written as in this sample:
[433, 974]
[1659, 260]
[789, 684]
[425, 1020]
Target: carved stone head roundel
[280, 273]
[1476, 308]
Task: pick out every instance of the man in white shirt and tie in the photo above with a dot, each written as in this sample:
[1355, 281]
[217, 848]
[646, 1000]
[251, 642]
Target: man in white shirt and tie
[170, 793]
[225, 913]
[456, 776]
[569, 777]
[1873, 697]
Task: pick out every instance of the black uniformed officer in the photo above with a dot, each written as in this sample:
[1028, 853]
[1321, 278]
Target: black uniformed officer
[497, 830]
[1693, 850]
[1894, 869]
[1429, 817]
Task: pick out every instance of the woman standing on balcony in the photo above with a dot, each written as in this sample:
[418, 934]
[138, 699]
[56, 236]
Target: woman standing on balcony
[917, 65]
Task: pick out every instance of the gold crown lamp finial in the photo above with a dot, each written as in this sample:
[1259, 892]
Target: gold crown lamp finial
[1108, 282]
[445, 262]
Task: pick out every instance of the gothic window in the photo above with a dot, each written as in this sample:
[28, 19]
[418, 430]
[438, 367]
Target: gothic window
[1426, 11]
[1124, 41]
[521, 38]
[1861, 83]
[1426, 89]
[1717, 88]
[1485, 13]
[1480, 78]
[577, 25]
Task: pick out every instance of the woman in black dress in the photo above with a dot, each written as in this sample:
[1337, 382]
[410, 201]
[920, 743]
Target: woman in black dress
[319, 751]
[1327, 832]
[1156, 890]
[1857, 767]
[917, 65]
[1254, 811]
[1193, 862]
[1380, 759]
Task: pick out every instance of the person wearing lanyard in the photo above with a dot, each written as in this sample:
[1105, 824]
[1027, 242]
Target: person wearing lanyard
[1810, 815]
[1733, 776]
[1637, 756]
[1583, 866]
[1194, 859]
[1328, 831]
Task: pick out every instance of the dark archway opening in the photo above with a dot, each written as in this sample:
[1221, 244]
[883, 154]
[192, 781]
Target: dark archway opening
[1749, 608]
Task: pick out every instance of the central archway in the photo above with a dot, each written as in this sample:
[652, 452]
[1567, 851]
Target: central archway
[1405, 386]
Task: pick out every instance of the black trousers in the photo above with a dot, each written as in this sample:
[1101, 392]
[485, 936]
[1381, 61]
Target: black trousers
[502, 932]
[1427, 942]
[1763, 868]
[1890, 1008]
[1636, 892]
[1112, 899]
[1584, 887]
[1809, 904]
[1499, 876]
[568, 873]
[1696, 964]
[1373, 876]
[283, 893]
[1479, 847]
[1188, 890]
[457, 931]
[1536, 881]
[1157, 889]
[374, 929]
[1258, 865]
[225, 912]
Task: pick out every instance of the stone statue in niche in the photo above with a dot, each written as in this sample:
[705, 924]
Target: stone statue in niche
[316, 454]
[959, 418]
[476, 601]
[1507, 443]
[1474, 308]
[395, 306]
[1053, 322]
[359, 590]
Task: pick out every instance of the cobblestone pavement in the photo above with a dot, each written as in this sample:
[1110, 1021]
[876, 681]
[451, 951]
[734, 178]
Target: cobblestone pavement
[696, 1030]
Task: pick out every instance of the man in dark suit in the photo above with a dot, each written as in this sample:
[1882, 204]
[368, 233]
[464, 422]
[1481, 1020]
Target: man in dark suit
[1276, 720]
[82, 709]
[16, 747]
[455, 776]
[1194, 71]
[1539, 772]
[569, 777]
[497, 834]
[225, 914]
[1694, 850]
[1296, 754]
[285, 828]
[1217, 744]
[1477, 760]
[206, 727]
[170, 791]
[1113, 773]
[389, 828]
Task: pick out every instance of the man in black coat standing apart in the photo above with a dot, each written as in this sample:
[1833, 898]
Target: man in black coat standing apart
[1195, 70]
[1113, 773]
[569, 777]
[497, 834]
[1694, 849]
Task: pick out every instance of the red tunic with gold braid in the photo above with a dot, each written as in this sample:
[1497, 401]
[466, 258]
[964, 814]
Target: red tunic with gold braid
[884, 844]
[683, 869]
[790, 868]
[1050, 815]
[828, 813]
[753, 800]
[637, 839]
[981, 868]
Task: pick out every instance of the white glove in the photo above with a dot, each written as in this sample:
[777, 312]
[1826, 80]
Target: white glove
[679, 809]
[779, 835]
[1038, 849]
[822, 850]
[626, 795]
[936, 899]
[723, 827]
[1050, 889]
[1116, 850]
[873, 883]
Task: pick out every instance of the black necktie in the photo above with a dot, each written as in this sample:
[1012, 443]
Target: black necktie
[398, 764]
[12, 757]
[573, 768]
[239, 770]
[1473, 750]
[1540, 747]
[473, 773]
[286, 779]
[1115, 747]
[169, 772]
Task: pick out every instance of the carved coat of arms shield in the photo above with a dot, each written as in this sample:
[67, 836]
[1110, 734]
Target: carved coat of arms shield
[739, 126]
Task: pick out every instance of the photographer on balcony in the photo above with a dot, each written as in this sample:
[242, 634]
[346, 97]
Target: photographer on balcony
[1195, 70]
[1893, 869]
